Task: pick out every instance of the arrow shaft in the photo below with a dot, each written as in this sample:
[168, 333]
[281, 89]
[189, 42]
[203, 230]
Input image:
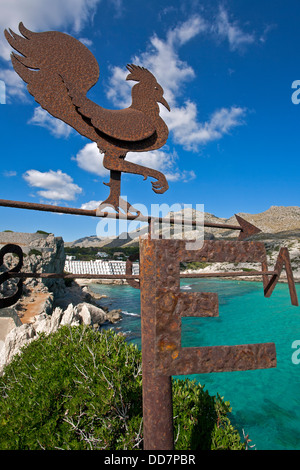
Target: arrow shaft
[92, 213]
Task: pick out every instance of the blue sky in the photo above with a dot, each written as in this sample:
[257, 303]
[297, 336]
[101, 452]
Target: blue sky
[227, 69]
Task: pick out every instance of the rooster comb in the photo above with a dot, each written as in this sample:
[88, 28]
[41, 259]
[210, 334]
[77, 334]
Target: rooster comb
[138, 73]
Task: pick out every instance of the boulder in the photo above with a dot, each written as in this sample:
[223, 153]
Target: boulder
[113, 316]
[83, 313]
[97, 315]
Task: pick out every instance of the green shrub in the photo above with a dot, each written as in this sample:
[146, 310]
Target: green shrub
[202, 421]
[194, 265]
[42, 232]
[80, 389]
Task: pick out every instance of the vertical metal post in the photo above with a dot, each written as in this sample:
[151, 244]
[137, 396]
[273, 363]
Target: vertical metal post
[157, 389]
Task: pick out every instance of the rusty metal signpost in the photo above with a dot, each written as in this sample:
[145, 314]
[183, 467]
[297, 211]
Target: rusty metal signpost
[60, 87]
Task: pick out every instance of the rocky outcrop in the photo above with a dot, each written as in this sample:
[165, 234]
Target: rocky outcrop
[43, 253]
[83, 313]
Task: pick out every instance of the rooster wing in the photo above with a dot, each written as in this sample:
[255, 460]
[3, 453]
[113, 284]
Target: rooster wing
[127, 124]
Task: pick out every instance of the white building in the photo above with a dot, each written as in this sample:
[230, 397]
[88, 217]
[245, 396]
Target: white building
[99, 267]
[102, 254]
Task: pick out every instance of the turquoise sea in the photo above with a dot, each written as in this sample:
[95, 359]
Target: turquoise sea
[265, 403]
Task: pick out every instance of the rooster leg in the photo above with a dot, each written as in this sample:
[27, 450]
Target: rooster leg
[114, 200]
[116, 163]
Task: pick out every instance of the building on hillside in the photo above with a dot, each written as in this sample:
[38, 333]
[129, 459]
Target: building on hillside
[119, 255]
[102, 254]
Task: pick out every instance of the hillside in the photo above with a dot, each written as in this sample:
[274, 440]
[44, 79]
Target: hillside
[278, 222]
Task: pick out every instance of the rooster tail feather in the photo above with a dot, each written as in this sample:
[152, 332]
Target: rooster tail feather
[26, 32]
[24, 72]
[49, 62]
[16, 42]
[55, 53]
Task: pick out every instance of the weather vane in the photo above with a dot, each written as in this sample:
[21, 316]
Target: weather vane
[59, 71]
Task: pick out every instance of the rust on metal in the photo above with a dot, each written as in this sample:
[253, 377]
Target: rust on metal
[132, 282]
[247, 229]
[169, 305]
[59, 71]
[282, 260]
[157, 390]
[162, 307]
[4, 276]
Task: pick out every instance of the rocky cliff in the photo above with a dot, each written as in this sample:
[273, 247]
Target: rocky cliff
[46, 304]
[43, 253]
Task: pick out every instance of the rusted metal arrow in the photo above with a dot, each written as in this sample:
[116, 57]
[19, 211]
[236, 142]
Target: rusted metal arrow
[246, 229]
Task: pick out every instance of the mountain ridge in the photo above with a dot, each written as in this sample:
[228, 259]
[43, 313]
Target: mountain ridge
[275, 222]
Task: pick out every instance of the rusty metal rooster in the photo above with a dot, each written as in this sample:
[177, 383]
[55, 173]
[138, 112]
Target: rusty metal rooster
[59, 71]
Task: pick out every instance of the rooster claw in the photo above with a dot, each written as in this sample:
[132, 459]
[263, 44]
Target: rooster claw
[122, 208]
[160, 191]
[158, 188]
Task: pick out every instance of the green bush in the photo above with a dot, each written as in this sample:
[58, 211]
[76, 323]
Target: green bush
[42, 232]
[80, 389]
[194, 265]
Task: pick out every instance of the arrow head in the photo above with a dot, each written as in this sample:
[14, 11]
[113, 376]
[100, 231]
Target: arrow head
[247, 229]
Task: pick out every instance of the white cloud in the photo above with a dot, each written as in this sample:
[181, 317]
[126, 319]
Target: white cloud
[90, 159]
[187, 30]
[42, 15]
[9, 173]
[190, 133]
[56, 127]
[91, 205]
[184, 176]
[162, 58]
[155, 159]
[119, 90]
[86, 41]
[230, 31]
[55, 185]
[15, 87]
[163, 162]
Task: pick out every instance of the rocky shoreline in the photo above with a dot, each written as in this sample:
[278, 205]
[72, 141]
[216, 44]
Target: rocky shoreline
[79, 306]
[46, 304]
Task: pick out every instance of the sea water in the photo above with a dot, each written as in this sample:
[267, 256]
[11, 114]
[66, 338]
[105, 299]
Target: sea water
[265, 403]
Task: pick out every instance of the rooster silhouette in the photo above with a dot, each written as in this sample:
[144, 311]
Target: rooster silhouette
[59, 71]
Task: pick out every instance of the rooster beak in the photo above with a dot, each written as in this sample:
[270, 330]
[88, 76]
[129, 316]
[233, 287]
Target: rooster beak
[163, 101]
